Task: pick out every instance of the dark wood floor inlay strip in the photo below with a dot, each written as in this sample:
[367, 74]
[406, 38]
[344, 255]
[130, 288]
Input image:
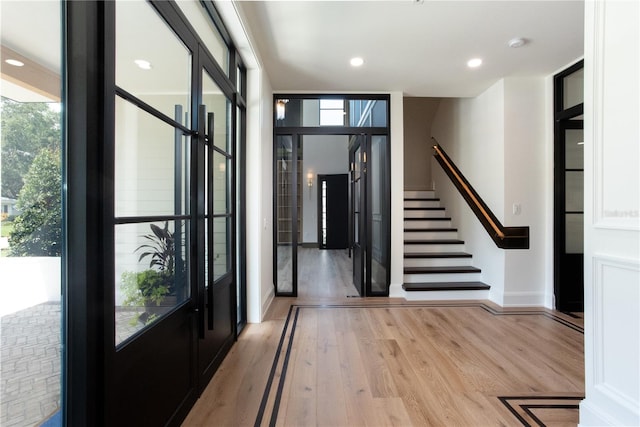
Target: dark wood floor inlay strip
[521, 406]
[293, 316]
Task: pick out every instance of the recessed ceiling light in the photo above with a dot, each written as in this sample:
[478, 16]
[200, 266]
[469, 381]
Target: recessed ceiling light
[356, 62]
[145, 65]
[14, 62]
[517, 42]
[475, 62]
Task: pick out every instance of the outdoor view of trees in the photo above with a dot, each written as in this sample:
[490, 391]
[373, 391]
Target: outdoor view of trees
[31, 175]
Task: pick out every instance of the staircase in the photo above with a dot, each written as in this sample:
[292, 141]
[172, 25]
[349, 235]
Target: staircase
[436, 266]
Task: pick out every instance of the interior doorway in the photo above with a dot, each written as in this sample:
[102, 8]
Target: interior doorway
[312, 166]
[569, 190]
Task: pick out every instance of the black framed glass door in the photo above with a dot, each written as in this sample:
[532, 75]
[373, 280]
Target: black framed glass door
[569, 189]
[288, 182]
[357, 210]
[216, 291]
[362, 120]
[569, 216]
[153, 220]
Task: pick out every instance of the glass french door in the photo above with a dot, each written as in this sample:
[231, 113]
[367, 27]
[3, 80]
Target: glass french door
[288, 213]
[216, 292]
[369, 206]
[569, 189]
[569, 216]
[174, 217]
[358, 235]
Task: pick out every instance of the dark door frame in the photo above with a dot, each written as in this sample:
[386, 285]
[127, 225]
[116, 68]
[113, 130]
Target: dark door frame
[297, 130]
[90, 365]
[564, 118]
[321, 179]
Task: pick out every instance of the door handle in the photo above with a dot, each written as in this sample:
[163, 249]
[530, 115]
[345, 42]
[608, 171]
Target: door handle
[209, 178]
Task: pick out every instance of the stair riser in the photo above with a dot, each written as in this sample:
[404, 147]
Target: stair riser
[427, 224]
[440, 213]
[446, 295]
[430, 235]
[420, 194]
[445, 277]
[421, 204]
[437, 262]
[409, 249]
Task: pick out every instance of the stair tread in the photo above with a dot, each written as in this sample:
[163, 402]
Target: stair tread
[430, 229]
[421, 199]
[440, 270]
[445, 286]
[439, 208]
[434, 242]
[438, 255]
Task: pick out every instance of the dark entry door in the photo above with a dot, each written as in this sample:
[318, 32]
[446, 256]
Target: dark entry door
[569, 215]
[357, 208]
[216, 288]
[333, 211]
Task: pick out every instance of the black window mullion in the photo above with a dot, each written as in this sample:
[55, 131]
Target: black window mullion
[149, 109]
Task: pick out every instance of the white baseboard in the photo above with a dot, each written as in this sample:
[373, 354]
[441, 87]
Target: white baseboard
[266, 303]
[523, 299]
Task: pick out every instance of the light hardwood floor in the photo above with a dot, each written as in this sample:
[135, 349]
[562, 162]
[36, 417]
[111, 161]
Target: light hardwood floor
[325, 359]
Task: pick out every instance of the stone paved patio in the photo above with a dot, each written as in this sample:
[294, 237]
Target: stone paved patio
[30, 365]
[30, 362]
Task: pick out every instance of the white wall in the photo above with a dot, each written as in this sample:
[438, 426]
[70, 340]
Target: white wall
[612, 214]
[322, 155]
[259, 264]
[259, 166]
[397, 194]
[28, 281]
[418, 117]
[499, 140]
[526, 184]
[471, 131]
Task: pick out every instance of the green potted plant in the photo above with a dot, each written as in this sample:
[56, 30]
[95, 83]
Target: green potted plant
[154, 288]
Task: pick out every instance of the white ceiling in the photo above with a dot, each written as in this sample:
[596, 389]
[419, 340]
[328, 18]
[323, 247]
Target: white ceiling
[420, 49]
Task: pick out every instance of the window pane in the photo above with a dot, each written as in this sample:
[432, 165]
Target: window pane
[284, 211]
[198, 16]
[573, 89]
[379, 238]
[574, 149]
[331, 118]
[160, 77]
[221, 182]
[332, 104]
[367, 113]
[151, 273]
[574, 194]
[221, 247]
[218, 104]
[151, 167]
[574, 233]
[31, 243]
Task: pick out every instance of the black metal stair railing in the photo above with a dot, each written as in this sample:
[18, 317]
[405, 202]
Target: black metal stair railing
[503, 237]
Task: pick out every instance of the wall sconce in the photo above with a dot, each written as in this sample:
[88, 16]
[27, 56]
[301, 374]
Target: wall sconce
[280, 107]
[310, 180]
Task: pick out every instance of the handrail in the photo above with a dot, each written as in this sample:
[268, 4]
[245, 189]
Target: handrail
[470, 193]
[504, 237]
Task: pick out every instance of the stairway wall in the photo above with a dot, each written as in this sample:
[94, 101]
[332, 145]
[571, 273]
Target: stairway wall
[418, 117]
[499, 140]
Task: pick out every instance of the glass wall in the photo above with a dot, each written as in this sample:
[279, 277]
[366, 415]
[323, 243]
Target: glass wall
[287, 193]
[31, 243]
[152, 162]
[299, 210]
[379, 223]
[328, 111]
